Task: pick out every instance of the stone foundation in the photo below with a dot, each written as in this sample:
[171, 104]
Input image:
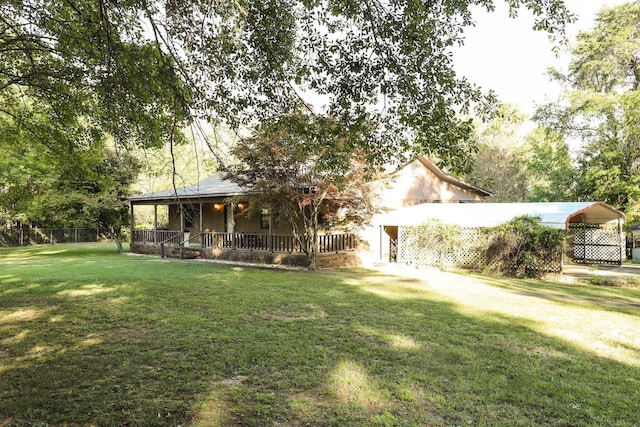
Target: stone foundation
[325, 260]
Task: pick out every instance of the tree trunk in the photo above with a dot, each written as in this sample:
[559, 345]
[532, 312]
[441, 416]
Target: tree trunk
[115, 235]
[119, 244]
[313, 250]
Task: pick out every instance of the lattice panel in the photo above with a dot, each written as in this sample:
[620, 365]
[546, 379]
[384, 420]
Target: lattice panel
[467, 254]
[595, 243]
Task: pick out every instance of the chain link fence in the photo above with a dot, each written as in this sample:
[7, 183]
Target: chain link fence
[39, 236]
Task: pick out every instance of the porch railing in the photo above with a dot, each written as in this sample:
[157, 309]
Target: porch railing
[157, 236]
[277, 242]
[249, 241]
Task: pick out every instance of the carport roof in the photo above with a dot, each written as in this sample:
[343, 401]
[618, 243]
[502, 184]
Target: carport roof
[552, 214]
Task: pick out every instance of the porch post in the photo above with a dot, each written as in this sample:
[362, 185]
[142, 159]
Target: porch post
[270, 230]
[231, 224]
[132, 222]
[201, 229]
[230, 220]
[181, 218]
[155, 224]
[380, 242]
[623, 242]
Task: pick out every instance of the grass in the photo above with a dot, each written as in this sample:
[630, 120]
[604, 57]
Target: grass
[88, 337]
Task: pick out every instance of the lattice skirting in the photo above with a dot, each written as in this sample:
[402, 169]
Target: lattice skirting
[467, 254]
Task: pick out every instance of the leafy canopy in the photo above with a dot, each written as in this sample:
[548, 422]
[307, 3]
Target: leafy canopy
[139, 69]
[44, 183]
[74, 73]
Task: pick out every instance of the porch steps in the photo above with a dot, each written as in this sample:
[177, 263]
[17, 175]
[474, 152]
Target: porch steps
[187, 253]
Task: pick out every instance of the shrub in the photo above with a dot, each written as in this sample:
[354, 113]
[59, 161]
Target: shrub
[524, 248]
[432, 243]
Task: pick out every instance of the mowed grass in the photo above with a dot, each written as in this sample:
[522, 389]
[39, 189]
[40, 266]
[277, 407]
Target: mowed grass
[90, 337]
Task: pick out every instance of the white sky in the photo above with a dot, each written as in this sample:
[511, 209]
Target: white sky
[508, 56]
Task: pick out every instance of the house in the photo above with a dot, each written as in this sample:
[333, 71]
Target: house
[421, 181]
[416, 183]
[202, 216]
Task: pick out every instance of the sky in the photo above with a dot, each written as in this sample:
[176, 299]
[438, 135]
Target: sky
[509, 57]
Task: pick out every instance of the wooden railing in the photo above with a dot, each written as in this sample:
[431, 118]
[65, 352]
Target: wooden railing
[250, 241]
[156, 237]
[277, 242]
[337, 242]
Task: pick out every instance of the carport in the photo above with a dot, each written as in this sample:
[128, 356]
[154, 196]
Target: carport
[594, 229]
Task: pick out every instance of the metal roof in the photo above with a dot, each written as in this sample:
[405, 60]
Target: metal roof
[552, 214]
[211, 187]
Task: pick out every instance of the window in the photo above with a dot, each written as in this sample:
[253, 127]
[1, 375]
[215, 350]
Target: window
[264, 219]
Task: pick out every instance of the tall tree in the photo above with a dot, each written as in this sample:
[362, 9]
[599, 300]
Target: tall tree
[138, 71]
[551, 176]
[601, 107]
[498, 165]
[301, 170]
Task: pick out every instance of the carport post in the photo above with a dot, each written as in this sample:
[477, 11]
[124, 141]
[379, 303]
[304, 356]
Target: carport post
[623, 242]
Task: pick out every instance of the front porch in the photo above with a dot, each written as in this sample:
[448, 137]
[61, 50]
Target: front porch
[210, 220]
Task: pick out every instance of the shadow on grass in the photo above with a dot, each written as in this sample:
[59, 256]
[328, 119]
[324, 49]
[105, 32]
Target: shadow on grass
[125, 341]
[624, 300]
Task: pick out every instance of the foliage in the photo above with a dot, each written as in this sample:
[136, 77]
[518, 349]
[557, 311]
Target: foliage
[79, 185]
[548, 167]
[89, 60]
[516, 168]
[601, 108]
[91, 338]
[498, 165]
[432, 242]
[523, 248]
[79, 85]
[302, 171]
[75, 73]
[618, 282]
[140, 69]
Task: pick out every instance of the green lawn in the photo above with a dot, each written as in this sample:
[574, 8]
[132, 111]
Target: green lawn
[90, 337]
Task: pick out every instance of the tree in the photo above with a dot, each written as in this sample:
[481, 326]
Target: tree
[89, 59]
[300, 169]
[549, 169]
[534, 168]
[139, 70]
[74, 75]
[498, 165]
[42, 183]
[601, 107]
